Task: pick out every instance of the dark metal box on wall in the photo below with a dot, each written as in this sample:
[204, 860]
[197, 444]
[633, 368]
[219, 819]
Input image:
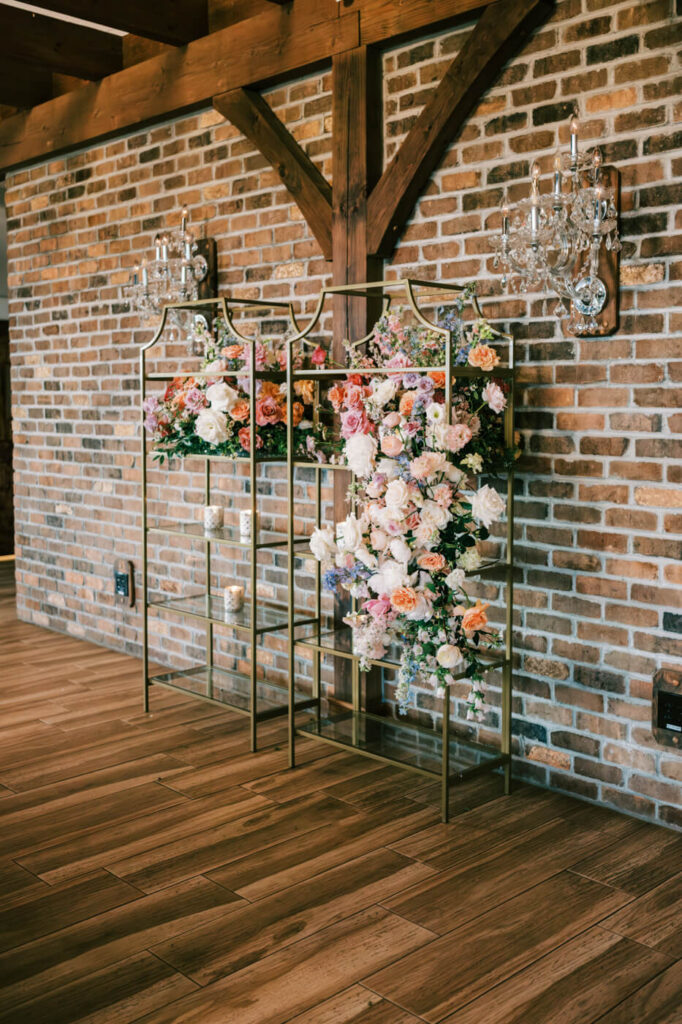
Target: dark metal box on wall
[666, 710]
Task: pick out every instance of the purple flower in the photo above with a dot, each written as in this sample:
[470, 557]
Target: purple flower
[151, 404]
[425, 385]
[194, 400]
[411, 380]
[151, 423]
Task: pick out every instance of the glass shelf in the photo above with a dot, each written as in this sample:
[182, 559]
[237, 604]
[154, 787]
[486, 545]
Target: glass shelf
[401, 743]
[468, 372]
[269, 617]
[230, 689]
[278, 376]
[225, 535]
[222, 458]
[340, 642]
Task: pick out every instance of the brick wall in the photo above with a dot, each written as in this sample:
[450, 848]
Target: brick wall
[600, 486]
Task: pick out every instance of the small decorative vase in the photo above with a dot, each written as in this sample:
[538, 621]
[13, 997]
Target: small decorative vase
[234, 598]
[213, 517]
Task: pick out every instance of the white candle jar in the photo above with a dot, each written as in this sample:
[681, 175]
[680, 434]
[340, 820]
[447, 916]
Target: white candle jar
[213, 517]
[246, 522]
[234, 598]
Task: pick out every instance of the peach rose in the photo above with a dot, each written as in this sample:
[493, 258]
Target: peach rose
[391, 445]
[269, 389]
[432, 562]
[438, 377]
[232, 352]
[484, 357]
[404, 599]
[240, 410]
[244, 436]
[406, 403]
[336, 395]
[305, 389]
[474, 618]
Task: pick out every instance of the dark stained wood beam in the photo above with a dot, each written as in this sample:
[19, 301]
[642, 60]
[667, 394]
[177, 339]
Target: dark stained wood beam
[169, 21]
[264, 48]
[357, 153]
[22, 85]
[276, 42]
[59, 46]
[500, 31]
[252, 115]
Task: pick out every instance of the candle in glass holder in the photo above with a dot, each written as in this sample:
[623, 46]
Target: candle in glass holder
[234, 598]
[245, 523]
[213, 517]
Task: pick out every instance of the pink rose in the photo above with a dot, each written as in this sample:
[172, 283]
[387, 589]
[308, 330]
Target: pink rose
[391, 420]
[377, 607]
[318, 356]
[391, 445]
[442, 495]
[354, 397]
[354, 421]
[457, 436]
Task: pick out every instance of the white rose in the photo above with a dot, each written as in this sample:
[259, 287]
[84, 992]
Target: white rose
[351, 533]
[322, 545]
[422, 611]
[360, 452]
[222, 396]
[391, 575]
[388, 468]
[470, 560]
[455, 579]
[366, 557]
[384, 392]
[217, 366]
[397, 494]
[448, 655]
[379, 540]
[487, 505]
[434, 515]
[400, 550]
[454, 475]
[211, 426]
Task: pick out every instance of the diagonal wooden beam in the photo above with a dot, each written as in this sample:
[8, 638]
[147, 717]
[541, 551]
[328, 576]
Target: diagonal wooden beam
[500, 31]
[255, 119]
[60, 46]
[169, 21]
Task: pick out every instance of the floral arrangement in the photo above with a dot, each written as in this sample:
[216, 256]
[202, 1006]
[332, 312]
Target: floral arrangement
[405, 550]
[210, 414]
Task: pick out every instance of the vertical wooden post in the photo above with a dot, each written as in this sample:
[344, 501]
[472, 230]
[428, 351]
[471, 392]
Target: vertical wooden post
[357, 158]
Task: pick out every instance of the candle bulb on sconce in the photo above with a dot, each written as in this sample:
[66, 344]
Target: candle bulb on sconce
[573, 127]
[145, 275]
[184, 214]
[557, 176]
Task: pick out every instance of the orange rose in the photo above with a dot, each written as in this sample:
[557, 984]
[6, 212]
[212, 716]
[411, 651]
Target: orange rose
[404, 599]
[406, 403]
[474, 618]
[269, 389]
[232, 352]
[432, 562]
[391, 445]
[336, 396]
[484, 357]
[438, 377]
[240, 410]
[298, 411]
[305, 389]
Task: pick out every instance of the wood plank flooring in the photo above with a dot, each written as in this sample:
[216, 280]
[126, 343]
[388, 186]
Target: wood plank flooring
[152, 871]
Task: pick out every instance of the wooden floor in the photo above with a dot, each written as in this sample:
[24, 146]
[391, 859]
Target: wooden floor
[153, 870]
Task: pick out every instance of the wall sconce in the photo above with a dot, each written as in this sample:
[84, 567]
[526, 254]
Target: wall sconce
[183, 269]
[566, 240]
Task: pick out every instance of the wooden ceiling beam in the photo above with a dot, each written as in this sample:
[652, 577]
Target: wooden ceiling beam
[59, 46]
[169, 21]
[500, 31]
[22, 85]
[265, 48]
[255, 119]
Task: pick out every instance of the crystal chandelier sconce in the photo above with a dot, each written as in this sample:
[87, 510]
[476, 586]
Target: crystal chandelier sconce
[174, 275]
[553, 241]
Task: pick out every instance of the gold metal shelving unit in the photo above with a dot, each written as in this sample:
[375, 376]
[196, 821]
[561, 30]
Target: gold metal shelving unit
[246, 693]
[448, 757]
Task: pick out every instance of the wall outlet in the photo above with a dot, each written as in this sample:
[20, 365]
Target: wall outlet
[124, 583]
